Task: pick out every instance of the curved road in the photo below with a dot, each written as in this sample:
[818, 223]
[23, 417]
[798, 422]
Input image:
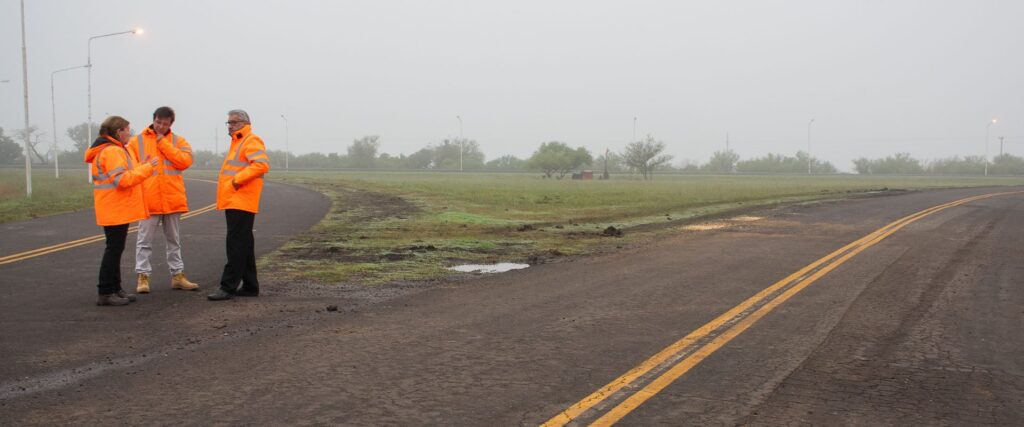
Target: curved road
[48, 320]
[916, 323]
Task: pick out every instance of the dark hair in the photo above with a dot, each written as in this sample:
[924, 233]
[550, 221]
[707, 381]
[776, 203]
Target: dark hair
[113, 124]
[164, 113]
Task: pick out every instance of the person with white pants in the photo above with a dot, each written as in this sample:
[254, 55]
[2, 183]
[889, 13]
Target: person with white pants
[149, 227]
[165, 198]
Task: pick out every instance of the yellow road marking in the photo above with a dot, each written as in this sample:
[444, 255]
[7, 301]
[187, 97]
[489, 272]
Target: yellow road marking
[84, 241]
[741, 321]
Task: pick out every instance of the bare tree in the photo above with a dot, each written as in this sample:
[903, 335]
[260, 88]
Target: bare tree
[33, 136]
[645, 155]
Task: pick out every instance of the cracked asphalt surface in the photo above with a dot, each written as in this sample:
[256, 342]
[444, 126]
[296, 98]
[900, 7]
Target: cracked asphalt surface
[921, 329]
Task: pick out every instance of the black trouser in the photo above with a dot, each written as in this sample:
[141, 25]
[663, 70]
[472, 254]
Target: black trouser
[110, 267]
[241, 249]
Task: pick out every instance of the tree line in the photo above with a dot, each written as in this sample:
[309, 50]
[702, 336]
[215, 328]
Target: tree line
[553, 159]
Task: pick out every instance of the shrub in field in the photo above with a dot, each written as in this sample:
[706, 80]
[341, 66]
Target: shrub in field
[722, 162]
[967, 165]
[778, 163]
[900, 164]
[558, 158]
[1006, 164]
[645, 156]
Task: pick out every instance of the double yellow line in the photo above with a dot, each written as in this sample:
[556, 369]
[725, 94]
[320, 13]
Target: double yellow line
[84, 241]
[618, 398]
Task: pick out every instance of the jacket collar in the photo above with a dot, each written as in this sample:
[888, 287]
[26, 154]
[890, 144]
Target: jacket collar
[149, 132]
[241, 133]
[113, 141]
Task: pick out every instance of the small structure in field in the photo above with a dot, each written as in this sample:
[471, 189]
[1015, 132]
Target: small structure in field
[585, 175]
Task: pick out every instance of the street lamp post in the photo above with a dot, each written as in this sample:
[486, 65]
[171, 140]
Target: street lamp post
[1001, 146]
[53, 107]
[287, 149]
[809, 146]
[634, 130]
[987, 126]
[88, 65]
[461, 147]
[24, 71]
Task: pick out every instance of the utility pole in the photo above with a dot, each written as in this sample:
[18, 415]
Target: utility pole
[987, 126]
[24, 71]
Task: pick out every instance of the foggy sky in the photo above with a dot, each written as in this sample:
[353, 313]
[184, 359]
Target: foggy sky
[878, 77]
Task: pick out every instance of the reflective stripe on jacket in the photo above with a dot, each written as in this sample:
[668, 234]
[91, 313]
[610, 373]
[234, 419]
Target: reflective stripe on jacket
[245, 164]
[116, 174]
[165, 193]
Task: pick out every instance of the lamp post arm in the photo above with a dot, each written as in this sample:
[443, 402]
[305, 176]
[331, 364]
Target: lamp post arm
[112, 34]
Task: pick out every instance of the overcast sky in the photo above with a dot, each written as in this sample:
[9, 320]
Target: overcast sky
[878, 77]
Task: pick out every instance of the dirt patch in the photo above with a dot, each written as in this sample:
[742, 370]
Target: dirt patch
[319, 249]
[352, 208]
[361, 206]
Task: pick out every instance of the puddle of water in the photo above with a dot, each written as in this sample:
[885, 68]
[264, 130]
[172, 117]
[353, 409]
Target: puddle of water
[489, 268]
[746, 218]
[704, 227]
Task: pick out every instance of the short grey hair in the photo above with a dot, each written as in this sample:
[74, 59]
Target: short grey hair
[241, 114]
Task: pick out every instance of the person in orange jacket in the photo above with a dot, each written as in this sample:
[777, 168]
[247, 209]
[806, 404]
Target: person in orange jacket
[238, 194]
[165, 198]
[117, 195]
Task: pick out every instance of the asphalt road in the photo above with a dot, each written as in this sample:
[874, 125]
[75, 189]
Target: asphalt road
[921, 328]
[48, 321]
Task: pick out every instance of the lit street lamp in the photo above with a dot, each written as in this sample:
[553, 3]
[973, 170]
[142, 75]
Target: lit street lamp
[88, 64]
[987, 126]
[53, 106]
[287, 150]
[809, 146]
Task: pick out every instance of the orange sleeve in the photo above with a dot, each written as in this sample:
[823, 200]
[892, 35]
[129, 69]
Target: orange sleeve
[180, 157]
[259, 162]
[115, 163]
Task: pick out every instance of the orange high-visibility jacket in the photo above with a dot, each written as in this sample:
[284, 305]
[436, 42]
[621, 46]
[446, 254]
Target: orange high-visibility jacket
[244, 165]
[165, 193]
[116, 174]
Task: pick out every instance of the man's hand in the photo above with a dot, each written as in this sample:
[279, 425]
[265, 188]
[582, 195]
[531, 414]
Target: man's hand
[235, 184]
[152, 160]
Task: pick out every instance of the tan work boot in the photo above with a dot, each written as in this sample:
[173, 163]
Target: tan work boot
[143, 286]
[178, 281]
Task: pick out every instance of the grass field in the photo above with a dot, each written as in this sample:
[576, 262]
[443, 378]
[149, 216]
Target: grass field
[397, 226]
[49, 195]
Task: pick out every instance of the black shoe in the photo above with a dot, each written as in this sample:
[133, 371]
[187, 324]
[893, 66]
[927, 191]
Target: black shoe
[111, 299]
[219, 295]
[247, 293]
